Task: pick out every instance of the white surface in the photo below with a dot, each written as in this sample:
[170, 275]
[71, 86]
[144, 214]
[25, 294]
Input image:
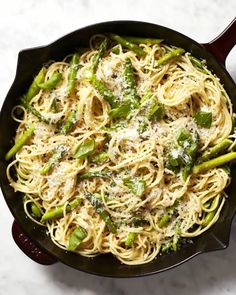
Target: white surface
[29, 23]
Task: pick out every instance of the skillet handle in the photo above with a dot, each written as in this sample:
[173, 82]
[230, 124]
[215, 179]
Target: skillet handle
[29, 248]
[222, 44]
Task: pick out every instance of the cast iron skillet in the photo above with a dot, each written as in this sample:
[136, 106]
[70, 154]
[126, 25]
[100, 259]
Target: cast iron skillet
[31, 238]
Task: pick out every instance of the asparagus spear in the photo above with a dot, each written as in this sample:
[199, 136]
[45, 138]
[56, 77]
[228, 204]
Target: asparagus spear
[203, 119]
[99, 54]
[76, 238]
[137, 220]
[74, 65]
[53, 106]
[33, 110]
[34, 89]
[146, 97]
[121, 111]
[133, 47]
[168, 56]
[103, 156]
[137, 186]
[210, 214]
[94, 174]
[115, 49]
[58, 153]
[130, 239]
[51, 82]
[216, 150]
[131, 99]
[57, 212]
[167, 216]
[213, 163]
[99, 208]
[20, 142]
[198, 64]
[141, 40]
[70, 121]
[84, 149]
[184, 154]
[129, 84]
[156, 111]
[35, 210]
[101, 88]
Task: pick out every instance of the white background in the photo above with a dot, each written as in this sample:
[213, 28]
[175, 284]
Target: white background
[28, 23]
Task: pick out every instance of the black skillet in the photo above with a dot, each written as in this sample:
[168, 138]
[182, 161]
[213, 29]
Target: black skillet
[31, 238]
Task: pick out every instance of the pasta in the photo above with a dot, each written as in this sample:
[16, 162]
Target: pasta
[109, 162]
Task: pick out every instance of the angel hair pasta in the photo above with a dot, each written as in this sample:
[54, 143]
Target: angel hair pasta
[123, 148]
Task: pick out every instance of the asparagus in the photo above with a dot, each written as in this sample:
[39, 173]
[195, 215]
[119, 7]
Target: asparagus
[74, 65]
[121, 111]
[97, 57]
[196, 62]
[216, 150]
[199, 64]
[213, 163]
[33, 110]
[101, 88]
[76, 237]
[137, 220]
[51, 82]
[210, 214]
[168, 56]
[167, 216]
[146, 97]
[34, 89]
[156, 111]
[94, 174]
[141, 40]
[22, 140]
[57, 155]
[84, 149]
[101, 157]
[57, 212]
[130, 239]
[129, 84]
[164, 220]
[137, 186]
[70, 121]
[53, 106]
[133, 47]
[99, 208]
[184, 154]
[131, 99]
[115, 49]
[203, 119]
[35, 210]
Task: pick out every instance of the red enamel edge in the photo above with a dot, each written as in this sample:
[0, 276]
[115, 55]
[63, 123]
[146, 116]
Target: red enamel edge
[222, 44]
[29, 248]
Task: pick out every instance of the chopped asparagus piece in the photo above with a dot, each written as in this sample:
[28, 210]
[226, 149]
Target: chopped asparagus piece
[130, 239]
[51, 82]
[169, 56]
[76, 238]
[58, 153]
[133, 47]
[57, 212]
[203, 119]
[216, 150]
[74, 66]
[213, 163]
[99, 208]
[34, 89]
[20, 142]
